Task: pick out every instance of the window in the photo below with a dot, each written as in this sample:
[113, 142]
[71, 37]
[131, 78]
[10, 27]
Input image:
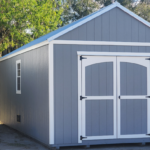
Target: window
[18, 76]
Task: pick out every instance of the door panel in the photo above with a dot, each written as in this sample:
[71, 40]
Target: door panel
[133, 116]
[99, 79]
[99, 117]
[133, 78]
[99, 106]
[132, 103]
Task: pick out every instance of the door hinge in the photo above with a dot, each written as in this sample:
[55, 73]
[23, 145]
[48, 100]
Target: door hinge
[147, 58]
[81, 137]
[147, 96]
[148, 134]
[81, 97]
[81, 57]
[119, 97]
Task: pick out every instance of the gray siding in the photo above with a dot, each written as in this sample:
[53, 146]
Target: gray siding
[66, 86]
[32, 104]
[114, 25]
[99, 79]
[133, 116]
[99, 117]
[133, 79]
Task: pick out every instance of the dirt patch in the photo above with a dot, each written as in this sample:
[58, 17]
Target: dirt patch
[12, 140]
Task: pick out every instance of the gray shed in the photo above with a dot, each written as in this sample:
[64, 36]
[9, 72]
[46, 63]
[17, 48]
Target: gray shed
[86, 83]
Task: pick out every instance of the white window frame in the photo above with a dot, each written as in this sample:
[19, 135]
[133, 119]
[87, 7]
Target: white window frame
[18, 91]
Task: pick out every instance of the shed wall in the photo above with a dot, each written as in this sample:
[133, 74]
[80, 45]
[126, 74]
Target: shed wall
[114, 25]
[66, 92]
[33, 103]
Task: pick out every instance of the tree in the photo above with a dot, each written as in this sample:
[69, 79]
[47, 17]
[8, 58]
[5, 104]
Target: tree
[76, 9]
[22, 21]
[143, 10]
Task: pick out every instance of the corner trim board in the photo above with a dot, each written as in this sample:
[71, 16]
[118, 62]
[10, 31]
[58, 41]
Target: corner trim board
[51, 94]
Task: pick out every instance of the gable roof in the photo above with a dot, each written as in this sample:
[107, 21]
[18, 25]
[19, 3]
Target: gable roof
[55, 34]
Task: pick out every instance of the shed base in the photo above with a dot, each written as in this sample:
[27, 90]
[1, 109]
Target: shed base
[142, 141]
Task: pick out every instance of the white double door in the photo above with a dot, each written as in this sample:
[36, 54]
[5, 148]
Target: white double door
[114, 102]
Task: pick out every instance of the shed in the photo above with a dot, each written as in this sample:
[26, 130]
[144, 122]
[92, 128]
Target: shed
[86, 83]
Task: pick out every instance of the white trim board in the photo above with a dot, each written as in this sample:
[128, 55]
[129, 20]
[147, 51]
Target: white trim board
[51, 94]
[85, 53]
[108, 43]
[100, 12]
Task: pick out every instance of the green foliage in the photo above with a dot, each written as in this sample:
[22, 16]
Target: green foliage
[18, 16]
[143, 10]
[76, 9]
[104, 2]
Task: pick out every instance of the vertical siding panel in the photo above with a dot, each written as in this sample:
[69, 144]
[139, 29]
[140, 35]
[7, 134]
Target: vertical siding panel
[94, 83]
[88, 117]
[42, 75]
[109, 121]
[135, 34]
[95, 117]
[103, 79]
[144, 116]
[74, 34]
[142, 36]
[98, 30]
[123, 116]
[66, 36]
[137, 116]
[58, 94]
[130, 116]
[128, 33]
[120, 26]
[82, 32]
[144, 81]
[130, 79]
[90, 48]
[74, 80]
[113, 28]
[67, 93]
[88, 81]
[123, 78]
[103, 117]
[137, 80]
[90, 31]
[109, 80]
[105, 30]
